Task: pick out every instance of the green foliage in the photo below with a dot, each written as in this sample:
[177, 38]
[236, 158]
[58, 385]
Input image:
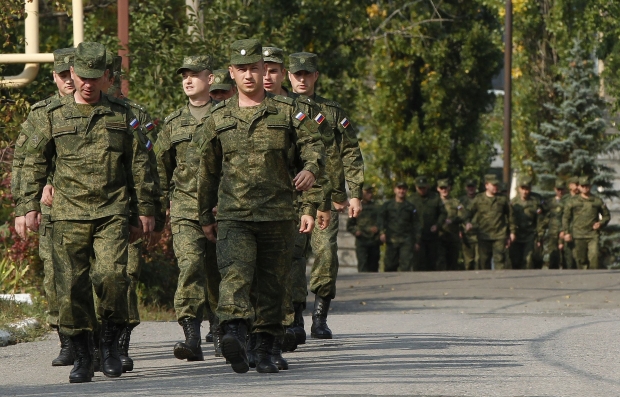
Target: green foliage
[12, 312]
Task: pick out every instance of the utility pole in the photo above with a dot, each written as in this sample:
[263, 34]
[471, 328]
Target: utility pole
[508, 94]
[123, 37]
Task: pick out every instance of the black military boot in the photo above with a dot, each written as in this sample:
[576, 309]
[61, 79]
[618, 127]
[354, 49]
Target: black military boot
[123, 349]
[94, 343]
[190, 350]
[111, 364]
[217, 340]
[298, 322]
[82, 370]
[212, 325]
[289, 341]
[319, 329]
[251, 350]
[264, 353]
[65, 357]
[233, 345]
[276, 352]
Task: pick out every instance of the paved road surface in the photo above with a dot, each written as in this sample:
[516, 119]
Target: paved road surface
[508, 333]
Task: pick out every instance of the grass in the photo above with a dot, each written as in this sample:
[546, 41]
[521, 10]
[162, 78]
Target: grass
[156, 313]
[12, 312]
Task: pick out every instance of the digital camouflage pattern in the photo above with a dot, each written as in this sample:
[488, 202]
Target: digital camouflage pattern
[401, 226]
[527, 223]
[449, 239]
[553, 227]
[89, 60]
[273, 54]
[196, 63]
[303, 61]
[63, 59]
[491, 218]
[469, 240]
[221, 80]
[243, 52]
[367, 245]
[431, 212]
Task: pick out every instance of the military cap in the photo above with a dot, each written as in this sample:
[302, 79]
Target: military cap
[221, 80]
[89, 61]
[109, 61]
[368, 186]
[303, 61]
[491, 178]
[443, 182]
[196, 63]
[421, 181]
[585, 181]
[525, 180]
[117, 69]
[63, 59]
[560, 184]
[273, 54]
[243, 52]
[573, 179]
[471, 182]
[402, 184]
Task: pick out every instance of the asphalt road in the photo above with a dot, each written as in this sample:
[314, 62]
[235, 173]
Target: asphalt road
[504, 333]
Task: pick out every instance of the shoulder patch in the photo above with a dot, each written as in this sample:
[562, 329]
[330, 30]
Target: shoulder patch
[172, 116]
[332, 104]
[284, 99]
[40, 104]
[218, 106]
[54, 103]
[135, 105]
[118, 101]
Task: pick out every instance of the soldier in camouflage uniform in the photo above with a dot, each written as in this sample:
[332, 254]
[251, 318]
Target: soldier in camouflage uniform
[583, 218]
[365, 228]
[100, 178]
[177, 162]
[469, 239]
[252, 143]
[490, 215]
[527, 221]
[223, 86]
[343, 154]
[554, 246]
[275, 72]
[432, 215]
[63, 60]
[569, 246]
[449, 240]
[400, 229]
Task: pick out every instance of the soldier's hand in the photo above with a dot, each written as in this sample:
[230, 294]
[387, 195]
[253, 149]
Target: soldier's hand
[374, 229]
[560, 246]
[561, 235]
[513, 237]
[307, 224]
[508, 243]
[468, 227]
[323, 219]
[382, 238]
[135, 233]
[148, 223]
[47, 197]
[355, 207]
[304, 180]
[568, 238]
[358, 233]
[538, 244]
[20, 226]
[433, 228]
[210, 232]
[33, 220]
[596, 226]
[341, 206]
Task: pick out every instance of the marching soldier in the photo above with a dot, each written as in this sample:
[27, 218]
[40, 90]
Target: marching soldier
[554, 245]
[526, 224]
[469, 239]
[449, 240]
[366, 231]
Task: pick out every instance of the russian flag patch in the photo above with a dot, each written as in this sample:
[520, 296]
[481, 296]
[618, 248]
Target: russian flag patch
[134, 123]
[345, 122]
[319, 118]
[300, 116]
[149, 126]
[149, 145]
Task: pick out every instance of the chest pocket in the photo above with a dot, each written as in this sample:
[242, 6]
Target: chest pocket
[117, 130]
[65, 137]
[275, 136]
[231, 138]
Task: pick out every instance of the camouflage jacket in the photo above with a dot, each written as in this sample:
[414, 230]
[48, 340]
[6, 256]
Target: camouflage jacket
[527, 218]
[431, 212]
[490, 216]
[553, 225]
[472, 234]
[366, 220]
[456, 213]
[399, 222]
[100, 161]
[177, 162]
[581, 214]
[247, 165]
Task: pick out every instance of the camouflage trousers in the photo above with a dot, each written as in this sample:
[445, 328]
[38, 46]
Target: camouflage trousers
[553, 256]
[492, 250]
[134, 265]
[368, 254]
[45, 253]
[471, 257]
[325, 267]
[258, 253]
[197, 267]
[296, 288]
[398, 256]
[426, 259]
[586, 253]
[90, 256]
[569, 256]
[522, 253]
[448, 255]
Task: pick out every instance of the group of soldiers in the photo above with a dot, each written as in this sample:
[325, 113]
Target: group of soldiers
[243, 172]
[430, 231]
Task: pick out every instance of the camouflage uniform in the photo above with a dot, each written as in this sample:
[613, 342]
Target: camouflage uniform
[554, 258]
[431, 212]
[449, 240]
[581, 214]
[246, 168]
[469, 239]
[367, 245]
[526, 220]
[100, 172]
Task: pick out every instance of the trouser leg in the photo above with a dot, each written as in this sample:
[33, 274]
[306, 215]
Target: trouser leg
[45, 253]
[325, 267]
[134, 265]
[391, 259]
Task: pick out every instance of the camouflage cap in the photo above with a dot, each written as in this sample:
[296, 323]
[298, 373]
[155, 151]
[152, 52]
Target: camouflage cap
[421, 181]
[273, 54]
[303, 61]
[63, 59]
[471, 183]
[560, 184]
[443, 183]
[243, 52]
[89, 61]
[525, 180]
[492, 179]
[221, 80]
[402, 184]
[585, 181]
[573, 179]
[196, 63]
[109, 61]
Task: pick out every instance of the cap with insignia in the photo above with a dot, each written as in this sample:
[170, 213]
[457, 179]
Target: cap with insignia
[443, 183]
[471, 182]
[492, 179]
[525, 181]
[402, 184]
[196, 63]
[368, 186]
[303, 61]
[421, 181]
[89, 61]
[560, 184]
[243, 52]
[221, 80]
[573, 179]
[273, 54]
[585, 181]
[63, 59]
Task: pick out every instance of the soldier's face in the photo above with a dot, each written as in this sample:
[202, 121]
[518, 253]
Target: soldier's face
[89, 89]
[491, 188]
[64, 82]
[196, 84]
[444, 191]
[274, 76]
[584, 189]
[422, 190]
[303, 82]
[471, 190]
[574, 188]
[525, 191]
[559, 192]
[249, 78]
[400, 192]
[221, 95]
